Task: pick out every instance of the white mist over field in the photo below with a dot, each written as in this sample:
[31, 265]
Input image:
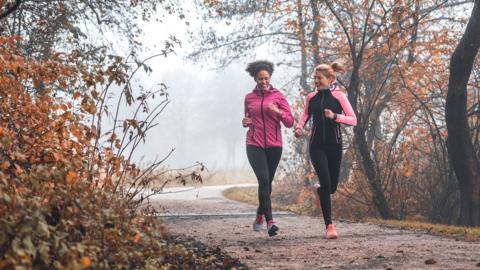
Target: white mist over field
[203, 119]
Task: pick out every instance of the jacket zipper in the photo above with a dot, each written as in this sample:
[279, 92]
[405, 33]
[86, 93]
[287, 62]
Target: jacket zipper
[323, 115]
[253, 132]
[263, 119]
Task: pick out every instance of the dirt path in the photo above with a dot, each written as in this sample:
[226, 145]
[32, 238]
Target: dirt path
[209, 217]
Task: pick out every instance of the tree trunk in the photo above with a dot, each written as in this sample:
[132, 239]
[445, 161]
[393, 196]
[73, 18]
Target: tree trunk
[370, 170]
[413, 39]
[315, 32]
[360, 130]
[303, 48]
[459, 143]
[363, 149]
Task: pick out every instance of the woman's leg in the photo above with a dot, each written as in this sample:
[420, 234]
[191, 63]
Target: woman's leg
[334, 156]
[257, 158]
[273, 158]
[320, 163]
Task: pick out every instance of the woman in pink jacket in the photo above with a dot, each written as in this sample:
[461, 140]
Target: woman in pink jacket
[265, 108]
[329, 107]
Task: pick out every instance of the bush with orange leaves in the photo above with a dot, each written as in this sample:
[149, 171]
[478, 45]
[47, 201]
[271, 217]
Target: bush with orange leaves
[57, 210]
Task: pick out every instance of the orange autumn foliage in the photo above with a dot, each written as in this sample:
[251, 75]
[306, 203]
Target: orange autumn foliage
[53, 212]
[38, 129]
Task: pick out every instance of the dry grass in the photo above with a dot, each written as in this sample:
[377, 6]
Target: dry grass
[226, 177]
[242, 194]
[209, 178]
[464, 233]
[249, 195]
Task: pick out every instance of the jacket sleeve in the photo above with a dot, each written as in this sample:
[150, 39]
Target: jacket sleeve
[286, 116]
[348, 118]
[305, 115]
[245, 106]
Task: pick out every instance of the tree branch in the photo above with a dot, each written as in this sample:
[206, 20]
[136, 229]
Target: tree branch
[9, 8]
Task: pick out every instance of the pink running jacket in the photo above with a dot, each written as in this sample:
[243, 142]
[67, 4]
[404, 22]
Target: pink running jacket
[265, 130]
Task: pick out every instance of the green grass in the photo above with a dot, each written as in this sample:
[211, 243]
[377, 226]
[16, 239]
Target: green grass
[249, 195]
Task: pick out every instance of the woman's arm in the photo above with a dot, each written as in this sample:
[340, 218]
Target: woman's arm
[305, 115]
[286, 115]
[246, 121]
[349, 117]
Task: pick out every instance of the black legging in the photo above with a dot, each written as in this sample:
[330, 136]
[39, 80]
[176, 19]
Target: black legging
[326, 159]
[264, 163]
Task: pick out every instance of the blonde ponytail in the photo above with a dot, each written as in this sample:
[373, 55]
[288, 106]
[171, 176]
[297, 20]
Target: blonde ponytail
[330, 71]
[338, 67]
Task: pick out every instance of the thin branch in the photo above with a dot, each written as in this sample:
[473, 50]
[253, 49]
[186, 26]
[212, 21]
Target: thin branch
[10, 8]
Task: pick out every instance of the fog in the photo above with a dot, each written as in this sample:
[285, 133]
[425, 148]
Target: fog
[202, 122]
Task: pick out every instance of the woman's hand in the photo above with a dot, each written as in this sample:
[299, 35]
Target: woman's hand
[298, 132]
[273, 108]
[246, 121]
[329, 114]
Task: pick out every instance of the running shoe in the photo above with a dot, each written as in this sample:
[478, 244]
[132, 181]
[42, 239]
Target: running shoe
[272, 228]
[331, 232]
[258, 223]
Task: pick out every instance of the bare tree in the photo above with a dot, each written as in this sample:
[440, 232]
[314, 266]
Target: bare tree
[460, 148]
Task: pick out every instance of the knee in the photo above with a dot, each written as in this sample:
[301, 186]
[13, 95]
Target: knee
[264, 186]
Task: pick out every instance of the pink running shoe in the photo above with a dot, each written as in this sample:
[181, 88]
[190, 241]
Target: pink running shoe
[331, 232]
[258, 223]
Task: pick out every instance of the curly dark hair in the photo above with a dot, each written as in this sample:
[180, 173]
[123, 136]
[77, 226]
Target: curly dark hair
[254, 67]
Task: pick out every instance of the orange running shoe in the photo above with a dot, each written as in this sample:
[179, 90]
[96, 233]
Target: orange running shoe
[331, 232]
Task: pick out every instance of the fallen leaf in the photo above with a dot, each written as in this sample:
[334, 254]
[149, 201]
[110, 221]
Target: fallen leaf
[137, 238]
[71, 177]
[86, 262]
